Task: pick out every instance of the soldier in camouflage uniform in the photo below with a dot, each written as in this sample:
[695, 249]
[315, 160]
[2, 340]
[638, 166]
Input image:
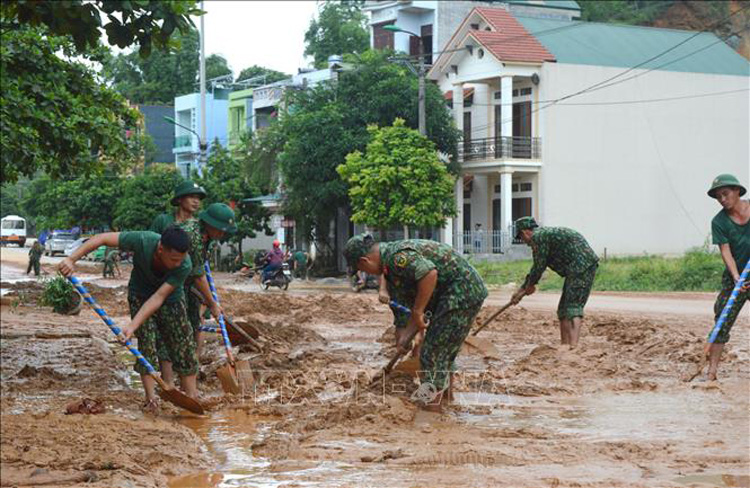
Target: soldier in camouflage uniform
[35, 255]
[730, 230]
[187, 198]
[211, 225]
[110, 263]
[425, 276]
[566, 252]
[156, 298]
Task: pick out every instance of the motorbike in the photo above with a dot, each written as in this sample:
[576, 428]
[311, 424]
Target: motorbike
[370, 282]
[280, 278]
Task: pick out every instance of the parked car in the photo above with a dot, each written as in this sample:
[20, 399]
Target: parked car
[58, 242]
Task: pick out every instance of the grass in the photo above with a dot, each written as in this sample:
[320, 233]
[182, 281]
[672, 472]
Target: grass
[697, 270]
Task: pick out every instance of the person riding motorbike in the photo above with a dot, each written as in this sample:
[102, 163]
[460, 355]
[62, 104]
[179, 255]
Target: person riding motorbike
[273, 261]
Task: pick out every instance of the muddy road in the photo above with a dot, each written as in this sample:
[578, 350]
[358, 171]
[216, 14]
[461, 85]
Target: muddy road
[612, 413]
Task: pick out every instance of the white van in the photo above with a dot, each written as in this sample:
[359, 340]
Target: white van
[13, 230]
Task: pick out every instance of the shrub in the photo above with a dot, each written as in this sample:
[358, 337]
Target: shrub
[60, 295]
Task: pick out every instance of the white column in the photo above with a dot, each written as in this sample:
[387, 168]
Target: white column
[506, 199]
[506, 99]
[458, 222]
[458, 106]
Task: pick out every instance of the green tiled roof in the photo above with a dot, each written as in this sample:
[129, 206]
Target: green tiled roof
[625, 46]
[563, 4]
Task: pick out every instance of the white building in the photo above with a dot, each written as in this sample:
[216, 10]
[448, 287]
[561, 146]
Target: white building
[563, 120]
[187, 113]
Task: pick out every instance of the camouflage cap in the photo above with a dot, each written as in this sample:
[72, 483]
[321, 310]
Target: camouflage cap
[357, 247]
[724, 180]
[525, 223]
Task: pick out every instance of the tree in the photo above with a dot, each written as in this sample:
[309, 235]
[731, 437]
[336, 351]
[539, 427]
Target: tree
[158, 78]
[217, 65]
[145, 23]
[145, 196]
[258, 153]
[399, 180]
[225, 182]
[271, 76]
[341, 28]
[327, 122]
[54, 115]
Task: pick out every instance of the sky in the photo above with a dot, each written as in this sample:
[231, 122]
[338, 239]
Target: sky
[267, 33]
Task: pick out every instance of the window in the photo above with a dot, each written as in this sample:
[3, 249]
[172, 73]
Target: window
[525, 186]
[525, 91]
[480, 53]
[426, 33]
[514, 187]
[474, 26]
[14, 224]
[497, 189]
[381, 38]
[498, 95]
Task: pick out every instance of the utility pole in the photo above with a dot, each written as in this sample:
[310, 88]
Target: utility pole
[202, 143]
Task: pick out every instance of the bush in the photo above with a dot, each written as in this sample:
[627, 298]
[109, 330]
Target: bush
[60, 295]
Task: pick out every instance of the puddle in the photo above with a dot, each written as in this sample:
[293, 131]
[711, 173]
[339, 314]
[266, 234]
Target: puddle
[720, 480]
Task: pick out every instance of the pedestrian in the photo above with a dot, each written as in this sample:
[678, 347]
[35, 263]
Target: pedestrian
[425, 276]
[567, 253]
[730, 230]
[300, 264]
[187, 198]
[110, 256]
[478, 238]
[35, 255]
[156, 299]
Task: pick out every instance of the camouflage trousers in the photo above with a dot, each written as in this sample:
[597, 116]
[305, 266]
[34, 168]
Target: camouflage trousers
[575, 294]
[443, 340]
[193, 308]
[727, 286]
[33, 264]
[168, 326]
[109, 269]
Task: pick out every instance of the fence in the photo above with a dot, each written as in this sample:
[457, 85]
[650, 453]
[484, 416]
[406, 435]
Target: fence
[499, 148]
[484, 242]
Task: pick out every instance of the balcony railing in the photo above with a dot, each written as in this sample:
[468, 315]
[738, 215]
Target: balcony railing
[499, 148]
[183, 141]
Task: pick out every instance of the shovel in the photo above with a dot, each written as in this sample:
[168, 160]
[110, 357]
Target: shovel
[484, 346]
[399, 352]
[720, 323]
[229, 374]
[168, 393]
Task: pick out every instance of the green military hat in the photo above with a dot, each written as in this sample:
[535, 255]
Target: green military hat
[219, 216]
[525, 223]
[724, 180]
[357, 247]
[185, 188]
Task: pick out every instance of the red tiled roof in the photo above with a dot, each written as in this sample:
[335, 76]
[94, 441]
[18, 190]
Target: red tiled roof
[449, 94]
[509, 41]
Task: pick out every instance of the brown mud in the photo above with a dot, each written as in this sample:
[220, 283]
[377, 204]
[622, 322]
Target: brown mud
[613, 412]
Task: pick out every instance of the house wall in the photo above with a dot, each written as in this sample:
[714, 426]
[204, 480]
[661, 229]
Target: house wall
[161, 131]
[633, 178]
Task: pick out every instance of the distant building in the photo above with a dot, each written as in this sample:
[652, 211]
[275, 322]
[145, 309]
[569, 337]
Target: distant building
[241, 115]
[187, 110]
[160, 131]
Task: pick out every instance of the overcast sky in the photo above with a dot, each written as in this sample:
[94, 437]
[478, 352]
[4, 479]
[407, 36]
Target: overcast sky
[266, 33]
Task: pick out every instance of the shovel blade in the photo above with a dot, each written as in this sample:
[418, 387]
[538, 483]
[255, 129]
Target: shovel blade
[410, 366]
[228, 378]
[245, 376]
[176, 397]
[485, 347]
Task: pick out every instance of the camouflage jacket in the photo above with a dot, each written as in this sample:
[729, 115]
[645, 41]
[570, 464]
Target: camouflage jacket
[406, 262]
[198, 247]
[563, 250]
[36, 251]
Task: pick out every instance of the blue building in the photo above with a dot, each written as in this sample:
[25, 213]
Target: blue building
[187, 113]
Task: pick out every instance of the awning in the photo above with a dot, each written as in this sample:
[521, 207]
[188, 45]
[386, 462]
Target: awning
[467, 93]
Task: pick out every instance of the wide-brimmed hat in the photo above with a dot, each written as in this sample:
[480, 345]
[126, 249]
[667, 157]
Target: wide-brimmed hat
[219, 216]
[185, 188]
[525, 223]
[724, 180]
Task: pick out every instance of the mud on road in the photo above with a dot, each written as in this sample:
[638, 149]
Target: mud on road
[612, 413]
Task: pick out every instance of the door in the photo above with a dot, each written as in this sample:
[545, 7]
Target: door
[521, 208]
[467, 136]
[497, 226]
[522, 130]
[467, 226]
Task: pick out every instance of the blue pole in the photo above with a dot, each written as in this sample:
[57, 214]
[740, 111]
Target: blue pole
[732, 298]
[397, 306]
[224, 335]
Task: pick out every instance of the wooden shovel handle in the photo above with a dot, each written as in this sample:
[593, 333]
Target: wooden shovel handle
[493, 317]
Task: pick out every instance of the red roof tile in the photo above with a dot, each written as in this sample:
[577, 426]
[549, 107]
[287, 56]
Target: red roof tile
[509, 41]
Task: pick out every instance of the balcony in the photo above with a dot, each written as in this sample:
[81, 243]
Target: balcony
[181, 142]
[499, 148]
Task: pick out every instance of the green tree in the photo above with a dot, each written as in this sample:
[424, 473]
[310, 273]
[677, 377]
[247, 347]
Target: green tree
[327, 122]
[225, 182]
[144, 196]
[258, 152]
[399, 180]
[54, 115]
[340, 28]
[158, 78]
[145, 23]
[271, 76]
[217, 65]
